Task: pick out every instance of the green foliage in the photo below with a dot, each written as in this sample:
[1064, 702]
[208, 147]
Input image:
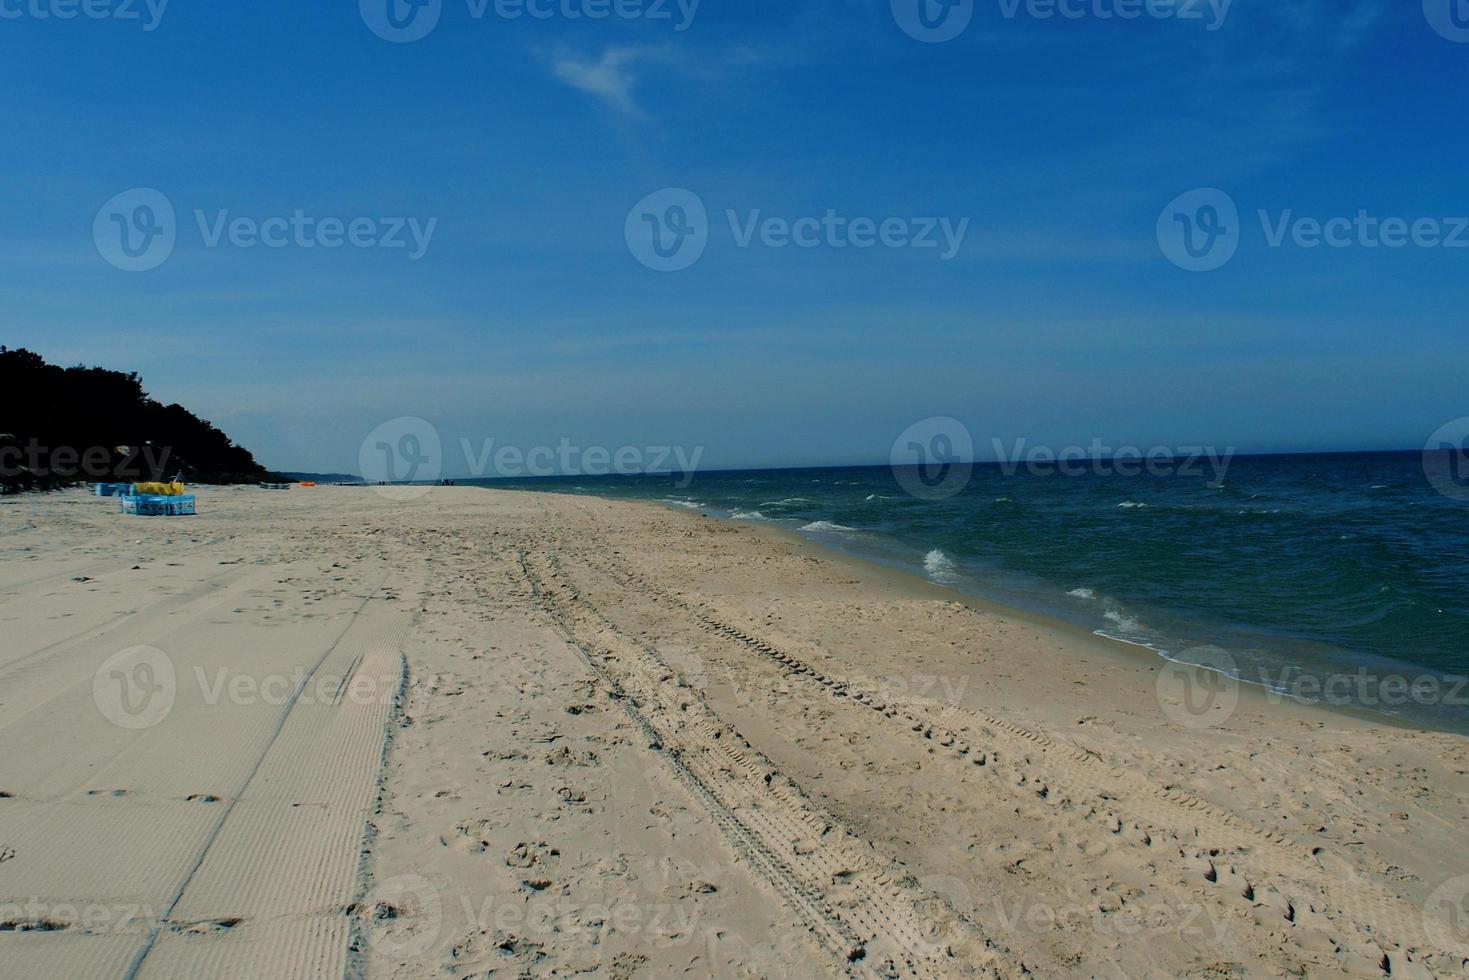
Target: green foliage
[66, 425]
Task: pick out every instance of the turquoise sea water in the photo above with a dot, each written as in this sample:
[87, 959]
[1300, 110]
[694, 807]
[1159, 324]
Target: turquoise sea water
[1342, 578]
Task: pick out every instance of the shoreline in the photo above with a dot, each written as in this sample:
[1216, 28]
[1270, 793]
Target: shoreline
[1140, 656]
[1324, 579]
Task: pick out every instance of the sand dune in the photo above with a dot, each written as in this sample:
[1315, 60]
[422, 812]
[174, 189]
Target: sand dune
[551, 735]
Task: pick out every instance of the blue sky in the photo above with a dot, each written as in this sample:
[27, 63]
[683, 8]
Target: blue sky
[528, 319]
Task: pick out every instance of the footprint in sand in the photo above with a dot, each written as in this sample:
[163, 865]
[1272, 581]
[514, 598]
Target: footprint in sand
[571, 796]
[564, 756]
[32, 925]
[205, 926]
[530, 855]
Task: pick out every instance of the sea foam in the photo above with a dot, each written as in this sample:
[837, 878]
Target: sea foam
[940, 566]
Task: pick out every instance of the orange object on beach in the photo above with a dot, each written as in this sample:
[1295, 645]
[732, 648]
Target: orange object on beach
[308, 483]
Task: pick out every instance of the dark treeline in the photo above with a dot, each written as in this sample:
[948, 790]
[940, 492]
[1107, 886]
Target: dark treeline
[66, 425]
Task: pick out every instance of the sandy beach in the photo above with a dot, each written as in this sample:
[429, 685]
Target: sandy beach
[468, 733]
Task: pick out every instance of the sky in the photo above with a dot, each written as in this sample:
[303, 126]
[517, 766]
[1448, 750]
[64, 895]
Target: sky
[1039, 217]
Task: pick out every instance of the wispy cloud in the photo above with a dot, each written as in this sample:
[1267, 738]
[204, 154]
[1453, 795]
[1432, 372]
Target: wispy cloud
[618, 72]
[612, 78]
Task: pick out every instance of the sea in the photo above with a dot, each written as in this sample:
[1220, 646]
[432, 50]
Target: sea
[1332, 578]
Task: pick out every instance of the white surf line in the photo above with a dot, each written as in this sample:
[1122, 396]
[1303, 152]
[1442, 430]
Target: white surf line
[142, 954]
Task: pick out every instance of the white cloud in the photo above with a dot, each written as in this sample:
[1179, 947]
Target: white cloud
[611, 78]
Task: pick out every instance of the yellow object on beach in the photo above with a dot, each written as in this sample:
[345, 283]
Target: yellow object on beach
[159, 489]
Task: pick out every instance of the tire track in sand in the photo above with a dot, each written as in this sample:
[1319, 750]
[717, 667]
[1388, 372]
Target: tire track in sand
[874, 920]
[1374, 931]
